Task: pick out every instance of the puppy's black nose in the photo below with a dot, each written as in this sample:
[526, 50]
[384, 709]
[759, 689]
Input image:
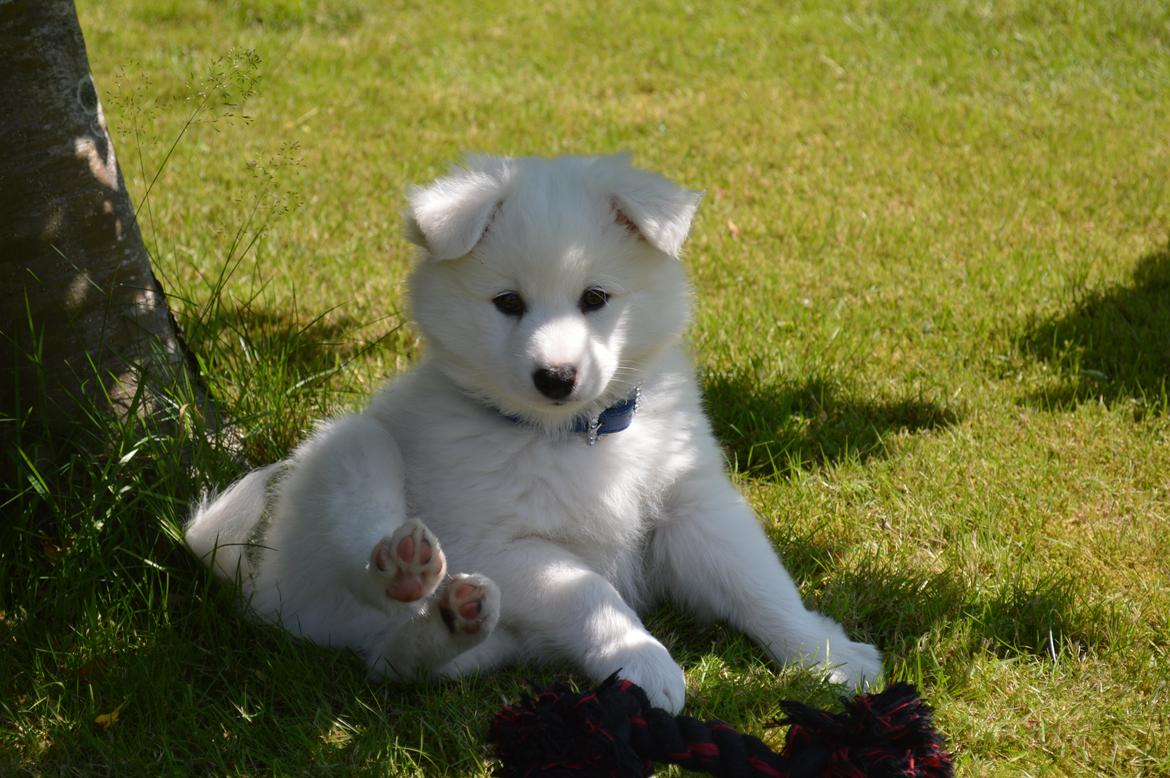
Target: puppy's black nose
[556, 382]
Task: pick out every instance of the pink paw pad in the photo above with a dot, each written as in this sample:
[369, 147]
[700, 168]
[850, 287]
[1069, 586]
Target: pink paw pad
[467, 604]
[412, 561]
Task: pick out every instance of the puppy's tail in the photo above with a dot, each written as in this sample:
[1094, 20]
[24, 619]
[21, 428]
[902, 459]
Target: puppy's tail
[221, 526]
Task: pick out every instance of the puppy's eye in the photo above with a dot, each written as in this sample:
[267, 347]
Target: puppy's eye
[510, 304]
[593, 299]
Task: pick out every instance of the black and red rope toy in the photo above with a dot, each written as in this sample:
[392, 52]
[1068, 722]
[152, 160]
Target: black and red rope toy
[613, 731]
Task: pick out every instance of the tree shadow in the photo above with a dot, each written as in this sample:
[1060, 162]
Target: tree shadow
[269, 702]
[279, 369]
[771, 430]
[302, 346]
[1114, 344]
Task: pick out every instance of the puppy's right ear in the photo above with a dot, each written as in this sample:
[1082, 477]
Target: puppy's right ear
[647, 204]
[450, 215]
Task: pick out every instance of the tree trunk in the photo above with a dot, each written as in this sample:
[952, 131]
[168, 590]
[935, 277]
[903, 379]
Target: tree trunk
[84, 323]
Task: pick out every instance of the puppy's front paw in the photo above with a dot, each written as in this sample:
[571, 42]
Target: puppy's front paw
[469, 605]
[652, 668]
[857, 665]
[409, 563]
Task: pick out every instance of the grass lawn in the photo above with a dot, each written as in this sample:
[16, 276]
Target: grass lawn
[933, 322]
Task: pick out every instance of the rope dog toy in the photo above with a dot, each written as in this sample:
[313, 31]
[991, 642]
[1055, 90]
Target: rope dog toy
[613, 731]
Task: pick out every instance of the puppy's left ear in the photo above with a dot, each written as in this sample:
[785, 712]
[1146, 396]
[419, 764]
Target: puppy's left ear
[657, 209]
[450, 215]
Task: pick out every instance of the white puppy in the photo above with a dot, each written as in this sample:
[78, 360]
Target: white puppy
[553, 438]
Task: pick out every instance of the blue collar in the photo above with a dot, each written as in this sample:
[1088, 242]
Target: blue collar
[613, 419]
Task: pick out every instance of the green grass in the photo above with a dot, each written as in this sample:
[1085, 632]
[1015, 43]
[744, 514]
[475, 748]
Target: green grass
[933, 321]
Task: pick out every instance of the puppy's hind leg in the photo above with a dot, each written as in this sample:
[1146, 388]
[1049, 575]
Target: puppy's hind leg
[342, 516]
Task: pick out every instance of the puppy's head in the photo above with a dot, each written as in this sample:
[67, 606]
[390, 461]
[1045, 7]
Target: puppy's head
[547, 288]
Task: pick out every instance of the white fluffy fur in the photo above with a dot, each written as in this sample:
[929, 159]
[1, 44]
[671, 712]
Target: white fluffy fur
[578, 539]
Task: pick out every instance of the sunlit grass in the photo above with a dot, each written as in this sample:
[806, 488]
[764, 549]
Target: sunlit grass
[932, 321]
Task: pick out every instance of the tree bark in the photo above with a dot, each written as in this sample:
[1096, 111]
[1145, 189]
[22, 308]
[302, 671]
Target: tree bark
[84, 323]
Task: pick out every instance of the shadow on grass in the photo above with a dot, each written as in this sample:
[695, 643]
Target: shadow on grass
[771, 430]
[1114, 344]
[1037, 616]
[1042, 617]
[212, 694]
[301, 347]
[276, 369]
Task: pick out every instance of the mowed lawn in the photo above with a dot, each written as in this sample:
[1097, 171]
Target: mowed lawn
[933, 323]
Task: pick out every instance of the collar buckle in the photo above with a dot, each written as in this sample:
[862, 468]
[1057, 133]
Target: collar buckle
[613, 419]
[593, 431]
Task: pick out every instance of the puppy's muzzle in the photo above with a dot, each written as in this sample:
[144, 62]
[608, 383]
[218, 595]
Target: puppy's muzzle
[556, 382]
